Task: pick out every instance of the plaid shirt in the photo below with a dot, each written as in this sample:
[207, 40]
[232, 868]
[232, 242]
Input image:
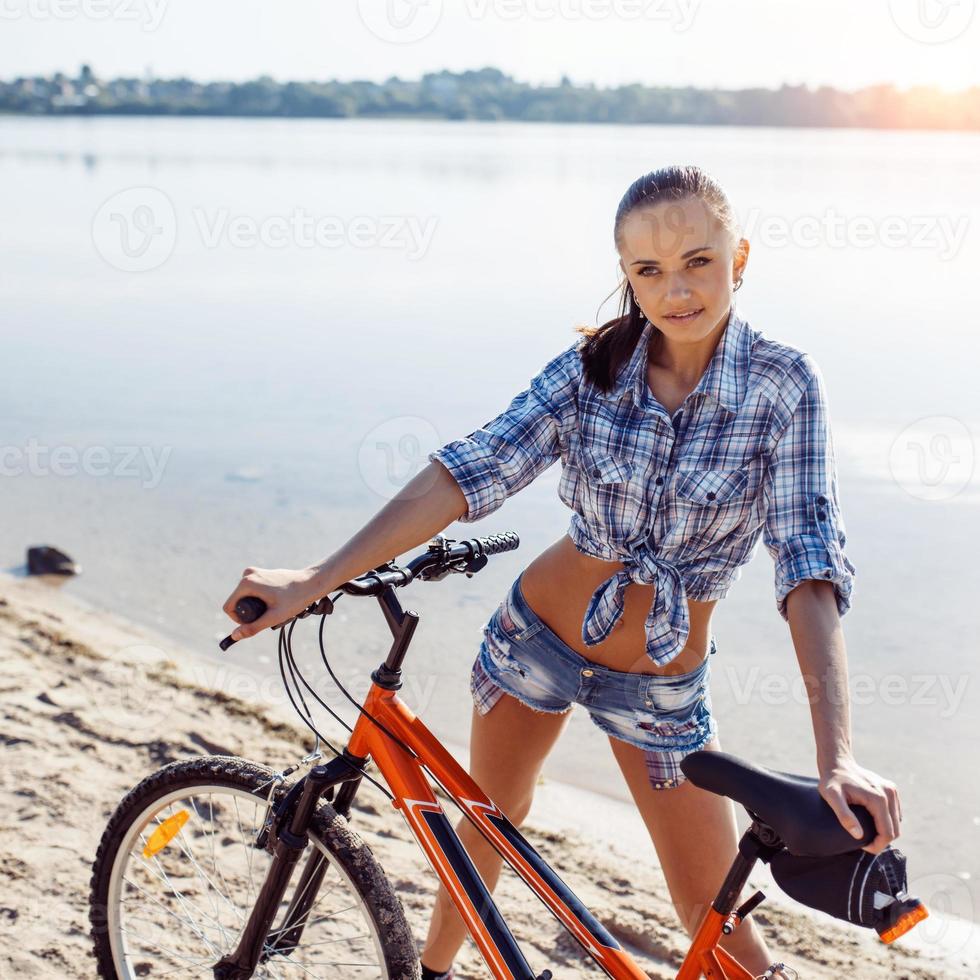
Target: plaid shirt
[680, 500]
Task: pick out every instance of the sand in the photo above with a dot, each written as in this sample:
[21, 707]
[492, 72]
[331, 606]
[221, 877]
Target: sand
[92, 703]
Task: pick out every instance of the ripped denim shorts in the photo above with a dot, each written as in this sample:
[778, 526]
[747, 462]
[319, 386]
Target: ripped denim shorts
[666, 716]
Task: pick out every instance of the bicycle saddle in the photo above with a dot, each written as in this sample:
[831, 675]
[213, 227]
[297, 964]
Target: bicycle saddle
[788, 803]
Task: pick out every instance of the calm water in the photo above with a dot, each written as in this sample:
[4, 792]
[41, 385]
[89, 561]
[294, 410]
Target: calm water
[257, 329]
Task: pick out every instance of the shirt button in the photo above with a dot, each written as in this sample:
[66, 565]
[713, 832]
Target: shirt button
[821, 500]
[595, 472]
[587, 672]
[659, 481]
[822, 515]
[710, 495]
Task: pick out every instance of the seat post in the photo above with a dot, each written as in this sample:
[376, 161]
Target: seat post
[758, 842]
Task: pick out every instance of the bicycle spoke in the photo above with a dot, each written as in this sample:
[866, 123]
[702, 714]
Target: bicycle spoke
[183, 908]
[214, 862]
[163, 872]
[162, 875]
[184, 843]
[171, 952]
[299, 897]
[133, 916]
[291, 962]
[325, 942]
[183, 904]
[327, 918]
[249, 850]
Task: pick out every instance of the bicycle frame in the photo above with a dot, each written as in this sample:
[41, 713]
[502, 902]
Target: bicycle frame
[404, 750]
[432, 830]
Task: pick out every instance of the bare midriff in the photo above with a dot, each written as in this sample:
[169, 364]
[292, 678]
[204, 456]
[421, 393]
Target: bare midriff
[558, 586]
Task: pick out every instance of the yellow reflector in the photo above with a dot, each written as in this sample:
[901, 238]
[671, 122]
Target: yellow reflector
[906, 922]
[165, 833]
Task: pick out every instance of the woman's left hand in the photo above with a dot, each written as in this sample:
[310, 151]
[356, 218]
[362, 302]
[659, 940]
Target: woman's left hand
[846, 782]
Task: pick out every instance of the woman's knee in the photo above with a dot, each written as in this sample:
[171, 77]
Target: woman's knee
[513, 793]
[517, 811]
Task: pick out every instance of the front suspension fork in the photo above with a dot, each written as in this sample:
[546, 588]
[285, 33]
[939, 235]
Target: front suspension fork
[290, 843]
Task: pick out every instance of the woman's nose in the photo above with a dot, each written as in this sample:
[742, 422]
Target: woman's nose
[677, 289]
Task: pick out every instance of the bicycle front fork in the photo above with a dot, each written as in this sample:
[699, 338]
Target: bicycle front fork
[290, 843]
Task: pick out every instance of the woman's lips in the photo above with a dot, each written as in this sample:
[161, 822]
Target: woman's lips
[684, 317]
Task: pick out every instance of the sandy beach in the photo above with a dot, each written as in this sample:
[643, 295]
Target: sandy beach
[93, 703]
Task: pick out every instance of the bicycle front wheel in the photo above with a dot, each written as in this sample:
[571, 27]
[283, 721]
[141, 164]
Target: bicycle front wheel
[178, 871]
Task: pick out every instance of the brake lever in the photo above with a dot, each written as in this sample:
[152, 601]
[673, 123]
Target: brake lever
[465, 566]
[322, 607]
[475, 564]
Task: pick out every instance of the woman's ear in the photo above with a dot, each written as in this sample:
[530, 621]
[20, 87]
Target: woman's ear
[741, 257]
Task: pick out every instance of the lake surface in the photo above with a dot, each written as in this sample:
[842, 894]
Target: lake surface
[228, 342]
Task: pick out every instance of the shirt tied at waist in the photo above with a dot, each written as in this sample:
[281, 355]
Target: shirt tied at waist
[667, 622]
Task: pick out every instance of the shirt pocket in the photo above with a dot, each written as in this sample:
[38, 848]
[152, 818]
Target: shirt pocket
[612, 496]
[712, 502]
[711, 486]
[607, 468]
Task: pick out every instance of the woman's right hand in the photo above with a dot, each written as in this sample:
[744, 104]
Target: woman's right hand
[285, 591]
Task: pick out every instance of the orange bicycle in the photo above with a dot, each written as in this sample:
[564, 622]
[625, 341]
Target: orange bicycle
[194, 872]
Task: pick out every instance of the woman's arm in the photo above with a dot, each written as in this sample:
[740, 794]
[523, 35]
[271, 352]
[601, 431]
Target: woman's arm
[819, 641]
[425, 506]
[465, 480]
[804, 533]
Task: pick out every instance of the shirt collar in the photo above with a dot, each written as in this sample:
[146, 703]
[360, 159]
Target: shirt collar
[724, 378]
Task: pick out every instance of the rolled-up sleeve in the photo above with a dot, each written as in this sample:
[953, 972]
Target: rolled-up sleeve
[804, 528]
[506, 454]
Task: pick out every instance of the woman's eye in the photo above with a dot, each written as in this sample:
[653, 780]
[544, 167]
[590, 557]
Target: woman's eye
[650, 270]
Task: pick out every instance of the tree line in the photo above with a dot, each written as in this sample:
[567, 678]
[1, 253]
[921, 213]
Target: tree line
[490, 94]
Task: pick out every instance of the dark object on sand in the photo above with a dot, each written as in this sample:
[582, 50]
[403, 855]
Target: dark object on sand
[45, 560]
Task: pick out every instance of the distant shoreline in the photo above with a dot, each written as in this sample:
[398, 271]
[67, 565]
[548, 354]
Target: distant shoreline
[490, 95]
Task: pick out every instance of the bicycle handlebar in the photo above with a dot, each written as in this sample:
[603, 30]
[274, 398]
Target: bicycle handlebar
[442, 557]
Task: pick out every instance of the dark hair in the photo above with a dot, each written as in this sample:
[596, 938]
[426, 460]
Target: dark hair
[608, 346]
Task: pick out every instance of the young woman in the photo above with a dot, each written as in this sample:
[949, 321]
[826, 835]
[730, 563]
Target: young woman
[684, 436]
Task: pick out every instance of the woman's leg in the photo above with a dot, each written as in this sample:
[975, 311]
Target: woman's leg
[508, 746]
[696, 838]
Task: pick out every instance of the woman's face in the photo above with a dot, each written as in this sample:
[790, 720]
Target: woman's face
[682, 264]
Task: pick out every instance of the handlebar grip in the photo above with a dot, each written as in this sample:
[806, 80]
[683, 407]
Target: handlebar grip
[495, 544]
[247, 609]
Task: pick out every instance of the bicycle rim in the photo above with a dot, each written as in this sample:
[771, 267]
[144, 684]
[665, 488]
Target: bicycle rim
[184, 880]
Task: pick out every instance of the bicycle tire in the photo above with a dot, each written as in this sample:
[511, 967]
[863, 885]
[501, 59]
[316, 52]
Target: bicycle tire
[329, 832]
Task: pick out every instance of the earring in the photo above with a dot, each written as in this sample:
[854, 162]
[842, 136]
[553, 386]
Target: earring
[738, 284]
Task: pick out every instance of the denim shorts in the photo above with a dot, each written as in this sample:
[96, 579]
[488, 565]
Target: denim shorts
[666, 716]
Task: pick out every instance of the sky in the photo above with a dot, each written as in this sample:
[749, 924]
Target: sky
[706, 43]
